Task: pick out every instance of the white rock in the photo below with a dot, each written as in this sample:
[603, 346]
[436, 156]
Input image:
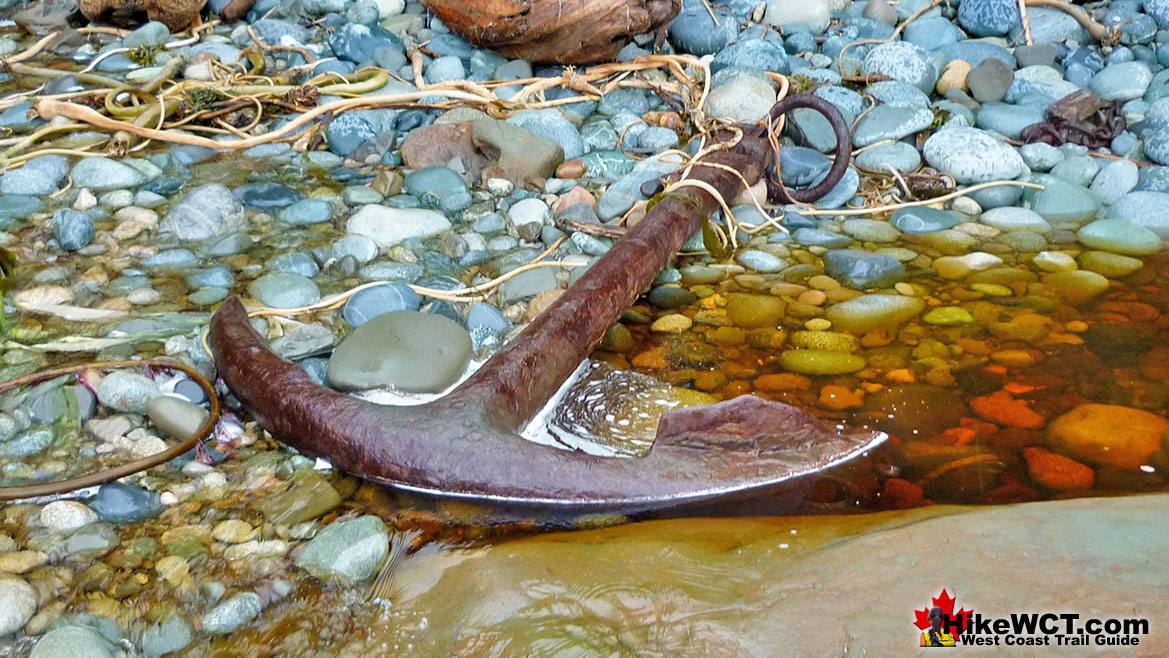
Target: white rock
[389, 226]
[1054, 261]
[814, 13]
[529, 211]
[388, 8]
[63, 516]
[18, 602]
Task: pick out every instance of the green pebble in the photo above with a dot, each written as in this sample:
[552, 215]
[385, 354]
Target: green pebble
[948, 316]
[820, 362]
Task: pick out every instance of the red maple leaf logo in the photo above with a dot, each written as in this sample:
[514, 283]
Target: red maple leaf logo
[946, 603]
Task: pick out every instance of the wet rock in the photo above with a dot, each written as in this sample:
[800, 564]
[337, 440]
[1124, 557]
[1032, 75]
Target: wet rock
[379, 300]
[486, 324]
[1119, 236]
[916, 410]
[18, 603]
[308, 211]
[873, 312]
[861, 269]
[99, 174]
[127, 391]
[176, 418]
[820, 362]
[1077, 286]
[1089, 433]
[406, 350]
[916, 220]
[117, 502]
[74, 642]
[65, 516]
[285, 290]
[347, 552]
[207, 211]
[310, 497]
[750, 311]
[233, 614]
[171, 635]
[696, 31]
[1060, 202]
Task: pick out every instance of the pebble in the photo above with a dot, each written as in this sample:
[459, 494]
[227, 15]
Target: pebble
[233, 531]
[65, 516]
[750, 311]
[873, 312]
[972, 156]
[347, 551]
[379, 300]
[74, 642]
[1087, 433]
[406, 350]
[233, 614]
[673, 323]
[1119, 236]
[18, 603]
[285, 290]
[127, 391]
[390, 226]
[820, 362]
[207, 211]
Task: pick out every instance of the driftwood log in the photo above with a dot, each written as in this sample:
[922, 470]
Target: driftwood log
[557, 31]
[467, 444]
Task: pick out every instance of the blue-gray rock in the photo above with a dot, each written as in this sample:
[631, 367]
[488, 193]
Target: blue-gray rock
[100, 174]
[850, 103]
[71, 641]
[976, 52]
[296, 263]
[285, 290]
[127, 391]
[1114, 180]
[233, 614]
[265, 196]
[1122, 82]
[444, 69]
[212, 276]
[989, 81]
[358, 43]
[740, 94]
[815, 237]
[171, 635]
[348, 551]
[971, 155]
[802, 167]
[916, 220]
[668, 297]
[695, 31]
[1078, 169]
[760, 261]
[859, 269]
[358, 246]
[1006, 119]
[438, 187]
[28, 443]
[271, 30]
[988, 18]
[1050, 26]
[898, 155]
[898, 93]
[347, 132]
[38, 177]
[932, 32]
[551, 124]
[903, 61]
[308, 211]
[620, 196]
[890, 122]
[842, 191]
[657, 138]
[378, 300]
[1159, 10]
[72, 229]
[486, 324]
[117, 502]
[1145, 209]
[762, 54]
[1039, 156]
[207, 211]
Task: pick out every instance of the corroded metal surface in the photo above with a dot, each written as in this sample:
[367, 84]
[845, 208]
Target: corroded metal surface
[467, 443]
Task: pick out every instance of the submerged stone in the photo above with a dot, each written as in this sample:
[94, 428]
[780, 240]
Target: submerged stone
[405, 350]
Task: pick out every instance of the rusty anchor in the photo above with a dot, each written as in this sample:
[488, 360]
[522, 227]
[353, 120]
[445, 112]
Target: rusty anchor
[466, 445]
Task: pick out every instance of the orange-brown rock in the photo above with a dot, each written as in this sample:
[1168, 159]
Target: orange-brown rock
[560, 31]
[177, 14]
[1108, 434]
